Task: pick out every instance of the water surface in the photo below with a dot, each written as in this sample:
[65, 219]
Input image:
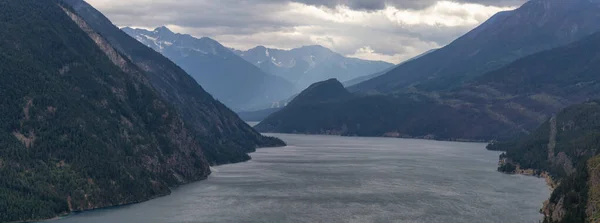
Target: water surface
[340, 179]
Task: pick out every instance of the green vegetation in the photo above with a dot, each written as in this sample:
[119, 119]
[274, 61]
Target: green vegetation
[564, 154]
[500, 105]
[537, 26]
[224, 137]
[78, 132]
[336, 111]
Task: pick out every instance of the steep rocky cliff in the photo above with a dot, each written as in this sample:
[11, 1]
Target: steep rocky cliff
[567, 147]
[225, 137]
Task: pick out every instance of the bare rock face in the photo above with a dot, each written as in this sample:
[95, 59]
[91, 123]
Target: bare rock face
[85, 127]
[224, 137]
[565, 147]
[179, 163]
[554, 212]
[593, 203]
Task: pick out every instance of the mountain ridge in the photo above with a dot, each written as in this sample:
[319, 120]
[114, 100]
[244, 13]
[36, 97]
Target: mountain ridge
[232, 80]
[509, 102]
[536, 26]
[82, 128]
[208, 117]
[306, 65]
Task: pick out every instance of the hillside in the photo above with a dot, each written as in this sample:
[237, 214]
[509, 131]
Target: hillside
[225, 137]
[232, 80]
[79, 132]
[328, 108]
[536, 26]
[310, 64]
[86, 127]
[361, 79]
[567, 147]
[508, 102]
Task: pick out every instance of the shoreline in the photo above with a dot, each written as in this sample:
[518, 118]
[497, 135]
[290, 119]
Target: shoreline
[551, 183]
[71, 213]
[385, 137]
[66, 215]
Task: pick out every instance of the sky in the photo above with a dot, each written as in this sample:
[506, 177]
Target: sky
[388, 30]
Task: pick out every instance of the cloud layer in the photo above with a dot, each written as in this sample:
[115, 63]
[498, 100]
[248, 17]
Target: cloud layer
[392, 30]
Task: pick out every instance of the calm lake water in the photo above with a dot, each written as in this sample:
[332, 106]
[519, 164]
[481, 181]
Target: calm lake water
[339, 179]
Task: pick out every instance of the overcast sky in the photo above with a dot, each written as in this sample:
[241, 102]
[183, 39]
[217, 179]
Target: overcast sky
[389, 30]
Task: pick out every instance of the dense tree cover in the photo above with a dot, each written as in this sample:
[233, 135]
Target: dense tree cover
[499, 105]
[564, 156]
[78, 132]
[378, 115]
[224, 136]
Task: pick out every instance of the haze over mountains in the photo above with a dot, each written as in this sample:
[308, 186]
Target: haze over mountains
[232, 80]
[537, 25]
[501, 103]
[499, 82]
[309, 64]
[248, 80]
[96, 116]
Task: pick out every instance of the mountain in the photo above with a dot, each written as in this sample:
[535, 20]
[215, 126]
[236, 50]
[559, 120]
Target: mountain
[567, 148]
[232, 80]
[328, 108]
[310, 64]
[361, 79]
[501, 104]
[86, 126]
[257, 116]
[536, 26]
[228, 138]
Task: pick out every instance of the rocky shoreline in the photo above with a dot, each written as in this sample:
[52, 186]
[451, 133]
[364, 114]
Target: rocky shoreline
[548, 209]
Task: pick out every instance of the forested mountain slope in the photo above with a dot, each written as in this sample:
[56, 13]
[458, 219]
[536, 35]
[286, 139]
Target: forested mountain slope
[226, 138]
[77, 131]
[328, 108]
[567, 147]
[536, 26]
[85, 127]
[502, 104]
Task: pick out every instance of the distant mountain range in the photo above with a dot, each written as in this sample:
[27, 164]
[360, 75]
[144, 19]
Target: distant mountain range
[536, 26]
[500, 104]
[231, 79]
[309, 64]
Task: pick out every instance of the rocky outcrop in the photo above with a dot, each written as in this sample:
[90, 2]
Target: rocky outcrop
[225, 138]
[566, 148]
[593, 203]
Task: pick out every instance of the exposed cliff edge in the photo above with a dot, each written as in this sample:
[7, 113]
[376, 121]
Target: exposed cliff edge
[224, 136]
[565, 148]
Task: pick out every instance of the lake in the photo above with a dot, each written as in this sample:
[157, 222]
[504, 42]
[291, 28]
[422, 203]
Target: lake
[344, 179]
